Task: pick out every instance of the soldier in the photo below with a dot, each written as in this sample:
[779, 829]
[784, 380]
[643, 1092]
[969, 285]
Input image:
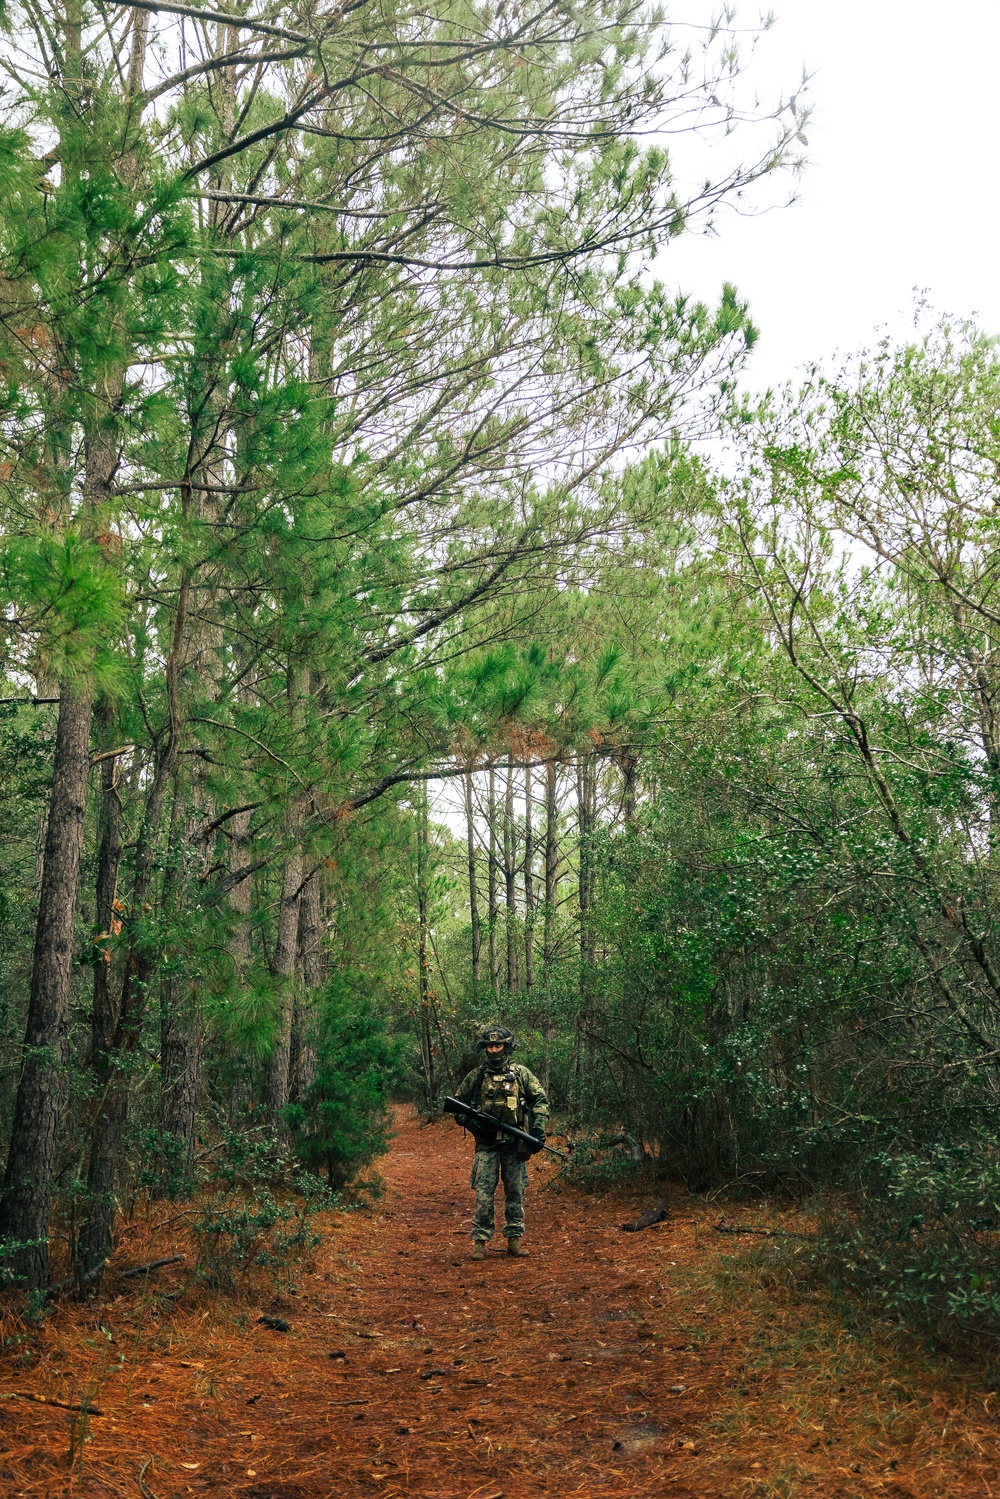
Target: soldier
[509, 1091]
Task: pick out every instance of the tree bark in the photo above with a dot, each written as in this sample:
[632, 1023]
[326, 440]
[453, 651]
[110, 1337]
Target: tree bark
[477, 936]
[27, 1186]
[586, 810]
[551, 866]
[629, 767]
[491, 818]
[180, 1047]
[549, 912]
[24, 1212]
[113, 1064]
[312, 973]
[529, 884]
[510, 879]
[180, 1059]
[283, 973]
[106, 922]
[423, 960]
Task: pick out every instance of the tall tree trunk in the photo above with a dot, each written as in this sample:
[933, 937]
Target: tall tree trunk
[107, 924]
[283, 973]
[551, 897]
[24, 1204]
[286, 945]
[551, 866]
[181, 1019]
[24, 1207]
[629, 767]
[113, 1064]
[180, 1043]
[241, 946]
[492, 912]
[510, 879]
[312, 974]
[180, 1057]
[425, 1018]
[529, 883]
[27, 1186]
[586, 780]
[477, 936]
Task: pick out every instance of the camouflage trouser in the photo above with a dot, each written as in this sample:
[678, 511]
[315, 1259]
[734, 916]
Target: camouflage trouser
[488, 1168]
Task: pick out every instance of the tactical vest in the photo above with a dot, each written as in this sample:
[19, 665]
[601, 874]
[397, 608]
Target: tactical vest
[501, 1095]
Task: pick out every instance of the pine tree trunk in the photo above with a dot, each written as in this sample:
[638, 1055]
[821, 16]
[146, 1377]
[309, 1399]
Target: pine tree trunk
[283, 973]
[477, 936]
[551, 852]
[492, 913]
[586, 814]
[113, 1065]
[102, 448]
[529, 884]
[180, 1058]
[551, 866]
[423, 960]
[629, 767]
[312, 973]
[27, 1186]
[240, 894]
[510, 879]
[109, 855]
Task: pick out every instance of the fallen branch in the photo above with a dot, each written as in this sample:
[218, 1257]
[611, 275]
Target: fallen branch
[171, 1259]
[760, 1233]
[80, 1281]
[653, 1215]
[63, 1405]
[144, 1489]
[350, 1402]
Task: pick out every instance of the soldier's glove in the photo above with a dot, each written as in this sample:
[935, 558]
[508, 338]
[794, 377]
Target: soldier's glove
[538, 1135]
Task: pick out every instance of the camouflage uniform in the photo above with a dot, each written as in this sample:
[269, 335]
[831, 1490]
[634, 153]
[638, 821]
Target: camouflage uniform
[513, 1093]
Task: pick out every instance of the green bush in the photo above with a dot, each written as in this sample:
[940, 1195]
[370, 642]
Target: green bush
[923, 1244]
[343, 1123]
[256, 1210]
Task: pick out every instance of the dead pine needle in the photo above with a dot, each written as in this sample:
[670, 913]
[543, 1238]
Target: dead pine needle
[609, 1364]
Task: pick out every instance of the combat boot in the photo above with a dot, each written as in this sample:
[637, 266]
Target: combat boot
[478, 1250]
[517, 1249]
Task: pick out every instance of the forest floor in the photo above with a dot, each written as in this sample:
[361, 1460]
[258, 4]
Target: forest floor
[663, 1363]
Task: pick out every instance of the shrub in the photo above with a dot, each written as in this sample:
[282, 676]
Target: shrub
[343, 1122]
[923, 1244]
[255, 1210]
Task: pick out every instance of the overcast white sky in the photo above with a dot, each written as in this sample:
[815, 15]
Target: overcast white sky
[901, 190]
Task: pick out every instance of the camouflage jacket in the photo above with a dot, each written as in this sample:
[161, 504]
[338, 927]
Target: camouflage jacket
[514, 1095]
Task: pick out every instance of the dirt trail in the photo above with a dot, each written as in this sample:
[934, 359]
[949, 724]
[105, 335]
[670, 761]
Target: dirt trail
[604, 1365]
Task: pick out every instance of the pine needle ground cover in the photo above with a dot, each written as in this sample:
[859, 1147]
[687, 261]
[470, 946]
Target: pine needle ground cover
[668, 1363]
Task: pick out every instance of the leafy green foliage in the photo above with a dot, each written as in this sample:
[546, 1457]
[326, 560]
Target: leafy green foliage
[343, 1122]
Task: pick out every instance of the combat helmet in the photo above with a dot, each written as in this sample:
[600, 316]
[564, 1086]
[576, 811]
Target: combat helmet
[492, 1035]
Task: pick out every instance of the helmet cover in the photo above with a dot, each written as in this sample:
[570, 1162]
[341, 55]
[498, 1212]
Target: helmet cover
[496, 1035]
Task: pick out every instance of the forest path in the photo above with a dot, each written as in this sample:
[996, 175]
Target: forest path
[607, 1364]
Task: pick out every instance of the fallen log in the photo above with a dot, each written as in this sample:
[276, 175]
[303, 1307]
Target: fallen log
[171, 1259]
[659, 1214]
[79, 1281]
